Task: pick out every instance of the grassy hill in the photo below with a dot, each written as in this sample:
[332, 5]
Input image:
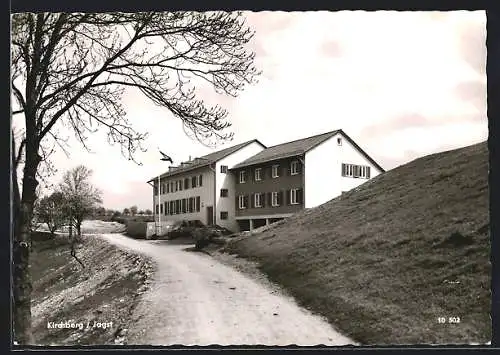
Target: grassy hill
[385, 260]
[105, 291]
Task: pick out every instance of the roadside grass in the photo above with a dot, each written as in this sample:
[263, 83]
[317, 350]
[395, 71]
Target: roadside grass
[105, 291]
[385, 260]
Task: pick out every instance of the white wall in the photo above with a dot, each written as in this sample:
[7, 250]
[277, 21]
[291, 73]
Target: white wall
[206, 193]
[323, 170]
[227, 181]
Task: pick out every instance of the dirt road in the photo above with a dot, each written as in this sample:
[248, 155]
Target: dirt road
[196, 300]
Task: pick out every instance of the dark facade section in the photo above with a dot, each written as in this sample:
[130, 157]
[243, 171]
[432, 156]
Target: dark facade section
[267, 185]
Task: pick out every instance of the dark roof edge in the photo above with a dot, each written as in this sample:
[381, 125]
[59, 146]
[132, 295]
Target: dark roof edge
[328, 135]
[293, 154]
[187, 169]
[173, 173]
[361, 150]
[303, 139]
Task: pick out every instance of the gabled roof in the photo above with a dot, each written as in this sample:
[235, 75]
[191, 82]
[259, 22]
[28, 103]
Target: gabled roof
[299, 147]
[288, 149]
[205, 160]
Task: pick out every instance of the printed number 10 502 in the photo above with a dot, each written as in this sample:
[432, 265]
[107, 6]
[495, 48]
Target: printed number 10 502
[452, 320]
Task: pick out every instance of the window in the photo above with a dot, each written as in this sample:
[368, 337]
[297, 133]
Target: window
[356, 171]
[275, 171]
[294, 167]
[180, 185]
[339, 141]
[156, 190]
[274, 199]
[184, 207]
[161, 208]
[224, 192]
[241, 202]
[223, 170]
[156, 208]
[223, 215]
[172, 186]
[172, 207]
[193, 181]
[168, 187]
[257, 201]
[257, 174]
[294, 196]
[243, 177]
[186, 183]
[200, 180]
[178, 206]
[191, 205]
[197, 203]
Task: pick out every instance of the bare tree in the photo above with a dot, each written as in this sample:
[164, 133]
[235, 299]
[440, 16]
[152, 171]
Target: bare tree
[50, 210]
[133, 210]
[81, 197]
[70, 70]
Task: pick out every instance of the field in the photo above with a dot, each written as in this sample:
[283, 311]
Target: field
[388, 262]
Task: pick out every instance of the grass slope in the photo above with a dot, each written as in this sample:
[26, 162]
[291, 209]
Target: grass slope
[106, 291]
[384, 261]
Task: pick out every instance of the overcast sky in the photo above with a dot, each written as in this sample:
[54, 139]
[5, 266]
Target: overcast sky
[402, 85]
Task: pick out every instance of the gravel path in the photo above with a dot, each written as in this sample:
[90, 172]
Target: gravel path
[196, 300]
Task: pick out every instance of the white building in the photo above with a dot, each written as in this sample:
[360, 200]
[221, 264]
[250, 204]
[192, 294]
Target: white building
[190, 191]
[279, 181]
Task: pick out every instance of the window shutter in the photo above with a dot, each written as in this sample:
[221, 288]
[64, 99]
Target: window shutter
[270, 198]
[280, 197]
[289, 169]
[263, 199]
[201, 180]
[237, 202]
[288, 197]
[245, 199]
[299, 167]
[252, 200]
[343, 169]
[367, 172]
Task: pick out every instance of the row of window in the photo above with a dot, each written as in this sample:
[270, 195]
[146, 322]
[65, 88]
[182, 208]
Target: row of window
[273, 199]
[184, 205]
[356, 171]
[259, 173]
[179, 185]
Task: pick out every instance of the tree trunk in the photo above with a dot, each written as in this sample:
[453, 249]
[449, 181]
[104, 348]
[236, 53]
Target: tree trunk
[21, 251]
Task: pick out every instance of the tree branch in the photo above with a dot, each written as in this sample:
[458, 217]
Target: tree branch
[89, 83]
